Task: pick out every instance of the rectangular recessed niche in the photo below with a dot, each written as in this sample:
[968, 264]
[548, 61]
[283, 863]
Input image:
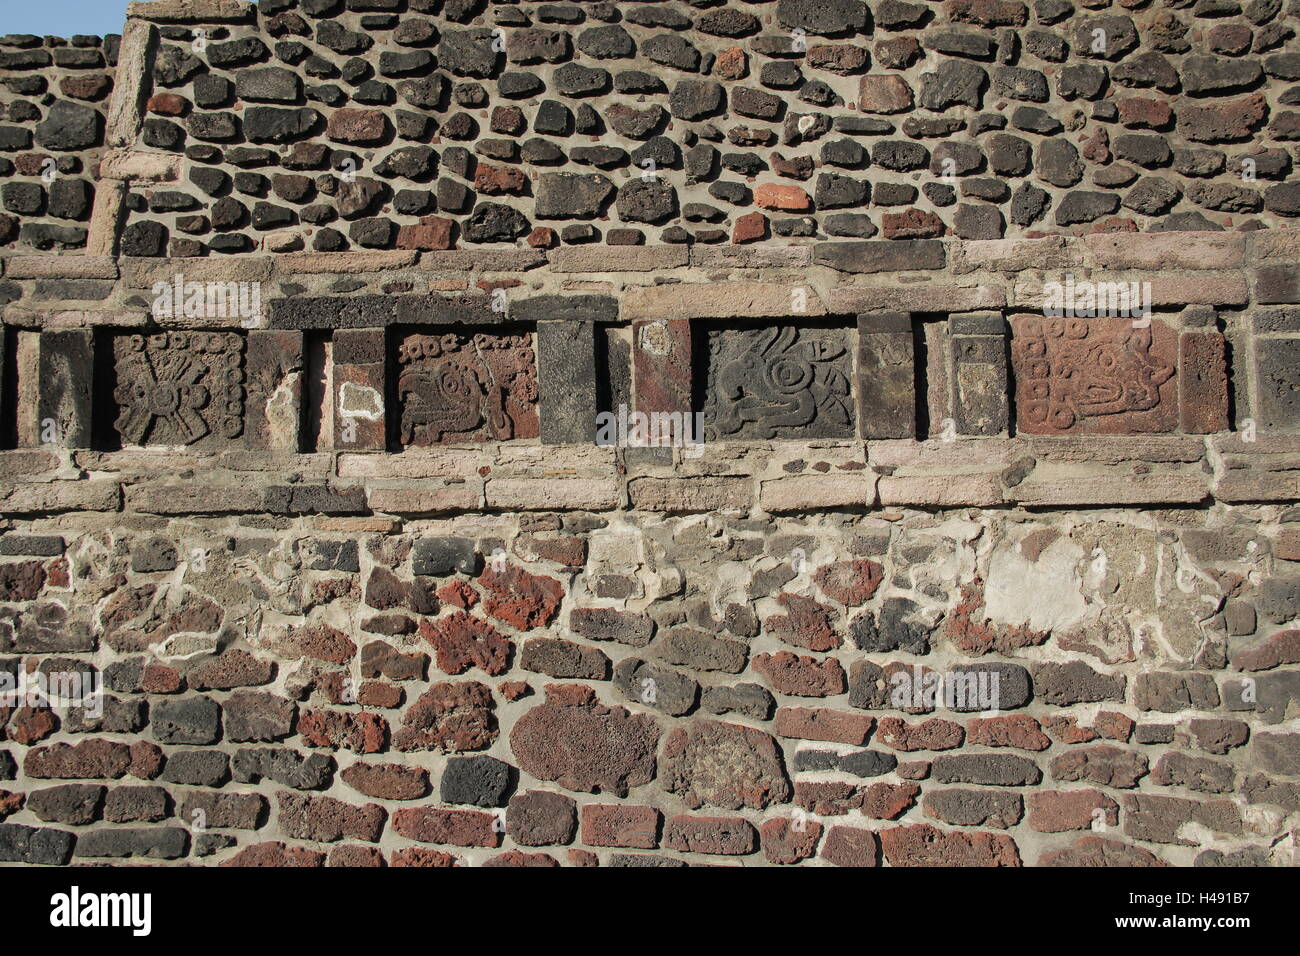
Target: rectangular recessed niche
[176, 389]
[465, 386]
[777, 381]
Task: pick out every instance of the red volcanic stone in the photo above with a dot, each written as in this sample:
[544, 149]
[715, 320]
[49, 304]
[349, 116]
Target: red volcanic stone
[91, 759]
[274, 853]
[751, 227]
[884, 93]
[519, 858]
[458, 594]
[850, 846]
[1141, 112]
[542, 237]
[146, 760]
[421, 856]
[807, 625]
[1113, 726]
[352, 855]
[827, 798]
[1220, 121]
[1068, 731]
[521, 599]
[31, 725]
[889, 801]
[575, 741]
[387, 781]
[820, 723]
[724, 765]
[360, 733]
[500, 180]
[789, 841]
[161, 679]
[324, 643]
[620, 825]
[1056, 811]
[10, 803]
[924, 845]
[514, 689]
[1282, 648]
[1014, 730]
[1203, 383]
[1096, 851]
[801, 676]
[449, 717]
[911, 223]
[168, 104]
[374, 693]
[721, 836]
[432, 232]
[933, 734]
[360, 127]
[783, 197]
[1103, 765]
[1094, 375]
[456, 827]
[731, 64]
[461, 642]
[850, 582]
[381, 659]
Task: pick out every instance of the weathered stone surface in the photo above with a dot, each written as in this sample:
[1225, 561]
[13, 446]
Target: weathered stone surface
[583, 745]
[724, 765]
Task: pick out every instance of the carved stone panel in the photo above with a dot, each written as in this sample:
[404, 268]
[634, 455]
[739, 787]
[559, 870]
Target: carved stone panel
[1111, 376]
[788, 382]
[456, 387]
[179, 388]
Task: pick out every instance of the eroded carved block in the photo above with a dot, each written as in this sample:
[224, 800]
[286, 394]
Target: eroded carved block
[1094, 375]
[179, 388]
[456, 387]
[778, 382]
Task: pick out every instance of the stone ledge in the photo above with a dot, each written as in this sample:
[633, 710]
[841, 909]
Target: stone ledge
[191, 11]
[61, 267]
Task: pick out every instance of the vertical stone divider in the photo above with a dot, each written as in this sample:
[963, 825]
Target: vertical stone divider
[276, 368]
[981, 404]
[1275, 356]
[661, 365]
[566, 375]
[358, 380]
[886, 376]
[132, 81]
[55, 383]
[1202, 373]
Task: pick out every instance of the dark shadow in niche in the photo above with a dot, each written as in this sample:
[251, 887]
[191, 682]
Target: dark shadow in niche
[762, 381]
[9, 394]
[103, 407]
[452, 384]
[920, 378]
[314, 390]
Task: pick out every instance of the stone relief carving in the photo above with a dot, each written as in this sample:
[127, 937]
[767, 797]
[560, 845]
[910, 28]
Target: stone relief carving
[1105, 375]
[466, 387]
[778, 382]
[179, 388]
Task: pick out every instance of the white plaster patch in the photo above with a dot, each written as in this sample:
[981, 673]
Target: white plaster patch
[1043, 595]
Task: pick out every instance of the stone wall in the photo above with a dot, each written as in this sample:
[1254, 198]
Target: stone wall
[363, 581]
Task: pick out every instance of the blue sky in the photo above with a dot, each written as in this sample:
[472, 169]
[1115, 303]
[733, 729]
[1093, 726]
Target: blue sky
[62, 17]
